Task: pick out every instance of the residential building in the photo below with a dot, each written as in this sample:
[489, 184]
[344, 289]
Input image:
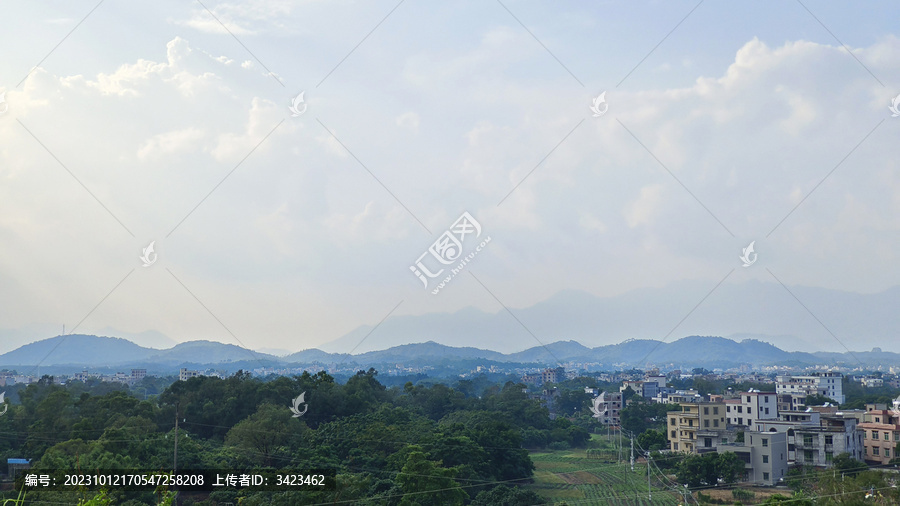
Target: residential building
[606, 407]
[16, 465]
[186, 374]
[823, 383]
[881, 433]
[682, 426]
[764, 455]
[750, 407]
[553, 375]
[815, 438]
[138, 374]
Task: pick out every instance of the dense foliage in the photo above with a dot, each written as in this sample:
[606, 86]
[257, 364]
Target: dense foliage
[388, 445]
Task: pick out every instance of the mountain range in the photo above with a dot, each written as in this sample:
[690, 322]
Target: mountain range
[75, 352]
[795, 318]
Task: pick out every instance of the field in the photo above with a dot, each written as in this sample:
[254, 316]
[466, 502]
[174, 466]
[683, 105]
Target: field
[570, 476]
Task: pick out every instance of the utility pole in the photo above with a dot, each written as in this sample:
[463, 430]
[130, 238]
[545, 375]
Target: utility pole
[649, 490]
[630, 438]
[175, 463]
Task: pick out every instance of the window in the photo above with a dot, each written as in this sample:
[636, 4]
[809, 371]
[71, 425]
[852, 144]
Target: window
[707, 442]
[897, 436]
[807, 439]
[887, 436]
[715, 410]
[690, 423]
[829, 456]
[877, 420]
[673, 433]
[705, 410]
[767, 411]
[749, 409]
[716, 422]
[748, 398]
[765, 459]
[740, 409]
[706, 423]
[728, 409]
[765, 442]
[766, 476]
[875, 450]
[887, 452]
[829, 440]
[724, 440]
[866, 450]
[808, 455]
[675, 446]
[874, 434]
[671, 421]
[766, 399]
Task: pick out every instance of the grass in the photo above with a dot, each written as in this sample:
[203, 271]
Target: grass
[569, 476]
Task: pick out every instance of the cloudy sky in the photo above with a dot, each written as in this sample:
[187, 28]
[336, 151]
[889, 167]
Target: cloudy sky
[134, 122]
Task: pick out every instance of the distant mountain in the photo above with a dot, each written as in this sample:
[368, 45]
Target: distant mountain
[753, 308]
[76, 351]
[95, 351]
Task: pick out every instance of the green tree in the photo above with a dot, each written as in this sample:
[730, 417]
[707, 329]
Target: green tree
[653, 440]
[425, 482]
[729, 467]
[507, 496]
[265, 433]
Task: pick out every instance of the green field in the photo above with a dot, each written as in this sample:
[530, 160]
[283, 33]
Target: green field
[569, 476]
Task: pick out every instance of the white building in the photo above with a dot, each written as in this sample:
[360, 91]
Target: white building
[825, 383]
[606, 407]
[186, 374]
[751, 407]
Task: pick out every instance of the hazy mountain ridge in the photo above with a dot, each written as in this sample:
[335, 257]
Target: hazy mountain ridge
[692, 351]
[749, 308]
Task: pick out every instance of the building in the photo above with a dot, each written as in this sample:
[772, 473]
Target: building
[15, 465]
[815, 438]
[823, 383]
[186, 374]
[554, 375]
[881, 433]
[682, 426]
[750, 407]
[764, 455]
[606, 407]
[138, 374]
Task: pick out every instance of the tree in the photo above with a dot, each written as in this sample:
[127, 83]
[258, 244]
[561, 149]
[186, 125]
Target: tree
[507, 496]
[264, 432]
[729, 467]
[653, 440]
[424, 482]
[819, 400]
[844, 463]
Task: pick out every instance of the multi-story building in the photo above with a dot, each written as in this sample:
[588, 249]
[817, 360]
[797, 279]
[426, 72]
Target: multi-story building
[554, 375]
[881, 433]
[186, 374]
[683, 426]
[138, 374]
[815, 438]
[823, 383]
[750, 407]
[764, 455]
[606, 407]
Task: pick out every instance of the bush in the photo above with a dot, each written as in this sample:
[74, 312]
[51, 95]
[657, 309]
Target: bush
[743, 495]
[560, 445]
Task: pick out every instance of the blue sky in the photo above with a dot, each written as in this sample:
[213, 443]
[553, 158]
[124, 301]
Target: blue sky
[444, 108]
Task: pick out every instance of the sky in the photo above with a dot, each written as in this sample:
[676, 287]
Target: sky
[724, 123]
